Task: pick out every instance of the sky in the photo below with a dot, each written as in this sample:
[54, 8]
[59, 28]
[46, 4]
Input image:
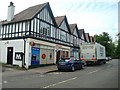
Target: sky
[94, 16]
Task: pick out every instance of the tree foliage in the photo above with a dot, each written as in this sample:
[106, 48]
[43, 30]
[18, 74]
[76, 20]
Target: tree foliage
[106, 41]
[118, 47]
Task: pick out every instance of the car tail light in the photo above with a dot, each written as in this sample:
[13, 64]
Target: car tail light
[68, 60]
[71, 56]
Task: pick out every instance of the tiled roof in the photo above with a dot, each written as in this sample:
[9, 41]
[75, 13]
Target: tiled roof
[59, 20]
[72, 27]
[26, 14]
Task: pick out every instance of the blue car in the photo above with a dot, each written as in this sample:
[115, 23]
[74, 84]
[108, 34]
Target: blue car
[70, 63]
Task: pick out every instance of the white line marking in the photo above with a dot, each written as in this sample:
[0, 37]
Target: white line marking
[4, 81]
[42, 75]
[93, 72]
[60, 82]
[55, 73]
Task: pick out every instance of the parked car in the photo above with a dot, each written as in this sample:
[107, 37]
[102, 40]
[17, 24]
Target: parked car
[108, 58]
[70, 63]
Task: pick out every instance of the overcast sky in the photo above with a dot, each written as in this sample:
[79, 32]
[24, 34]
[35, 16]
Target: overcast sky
[95, 16]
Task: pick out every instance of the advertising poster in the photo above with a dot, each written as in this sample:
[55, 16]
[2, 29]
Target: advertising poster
[35, 58]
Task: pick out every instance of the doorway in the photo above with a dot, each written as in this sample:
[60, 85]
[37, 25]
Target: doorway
[10, 55]
[58, 56]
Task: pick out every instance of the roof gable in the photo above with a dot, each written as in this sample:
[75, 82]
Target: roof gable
[46, 14]
[30, 13]
[62, 20]
[91, 38]
[82, 34]
[87, 37]
[59, 20]
[74, 29]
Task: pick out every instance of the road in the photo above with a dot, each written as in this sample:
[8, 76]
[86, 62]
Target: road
[99, 76]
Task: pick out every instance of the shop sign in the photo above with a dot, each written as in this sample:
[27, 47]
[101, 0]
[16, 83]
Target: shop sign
[32, 44]
[43, 56]
[18, 56]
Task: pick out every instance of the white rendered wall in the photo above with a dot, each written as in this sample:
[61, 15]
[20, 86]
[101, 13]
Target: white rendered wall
[18, 46]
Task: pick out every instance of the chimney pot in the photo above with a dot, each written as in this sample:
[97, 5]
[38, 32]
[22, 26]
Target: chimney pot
[11, 4]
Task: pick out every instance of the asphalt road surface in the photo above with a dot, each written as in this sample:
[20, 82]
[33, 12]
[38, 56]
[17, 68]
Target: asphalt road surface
[99, 76]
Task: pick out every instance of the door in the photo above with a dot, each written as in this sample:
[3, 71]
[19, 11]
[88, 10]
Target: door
[10, 55]
[58, 56]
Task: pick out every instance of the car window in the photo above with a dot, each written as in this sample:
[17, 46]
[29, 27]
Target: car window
[67, 60]
[72, 58]
[64, 59]
[77, 59]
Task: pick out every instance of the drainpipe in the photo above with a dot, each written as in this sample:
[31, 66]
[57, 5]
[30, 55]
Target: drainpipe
[23, 62]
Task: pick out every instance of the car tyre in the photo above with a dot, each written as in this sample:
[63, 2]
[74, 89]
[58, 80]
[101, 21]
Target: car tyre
[73, 69]
[104, 62]
[59, 69]
[82, 66]
[100, 63]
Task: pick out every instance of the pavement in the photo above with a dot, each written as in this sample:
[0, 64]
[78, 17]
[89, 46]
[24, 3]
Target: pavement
[42, 70]
[45, 69]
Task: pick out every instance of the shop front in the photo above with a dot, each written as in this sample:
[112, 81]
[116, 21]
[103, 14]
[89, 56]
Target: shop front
[42, 54]
[62, 51]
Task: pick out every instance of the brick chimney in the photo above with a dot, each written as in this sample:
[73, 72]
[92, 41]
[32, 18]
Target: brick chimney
[11, 9]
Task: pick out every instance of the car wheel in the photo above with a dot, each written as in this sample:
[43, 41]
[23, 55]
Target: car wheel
[59, 70]
[73, 69]
[100, 63]
[104, 62]
[82, 66]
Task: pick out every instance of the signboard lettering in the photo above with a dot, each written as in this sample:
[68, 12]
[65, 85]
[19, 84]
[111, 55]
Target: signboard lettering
[18, 56]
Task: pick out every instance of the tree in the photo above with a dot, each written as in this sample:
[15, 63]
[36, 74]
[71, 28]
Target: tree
[118, 47]
[106, 41]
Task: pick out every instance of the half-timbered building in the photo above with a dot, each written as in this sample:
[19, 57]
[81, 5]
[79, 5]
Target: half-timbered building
[91, 39]
[82, 35]
[35, 37]
[29, 37]
[75, 39]
[87, 37]
[63, 34]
